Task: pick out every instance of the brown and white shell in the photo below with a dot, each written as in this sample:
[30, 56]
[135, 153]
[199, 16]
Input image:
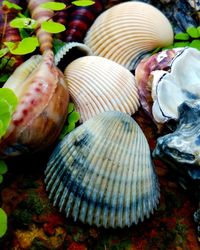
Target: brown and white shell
[97, 84]
[127, 31]
[102, 173]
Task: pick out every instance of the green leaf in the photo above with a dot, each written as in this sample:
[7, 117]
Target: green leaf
[23, 33]
[27, 45]
[182, 36]
[3, 222]
[3, 167]
[193, 32]
[52, 27]
[53, 6]
[26, 23]
[5, 116]
[198, 28]
[70, 108]
[57, 44]
[180, 44]
[8, 95]
[3, 52]
[73, 117]
[66, 129]
[195, 44]
[1, 180]
[83, 3]
[4, 77]
[11, 5]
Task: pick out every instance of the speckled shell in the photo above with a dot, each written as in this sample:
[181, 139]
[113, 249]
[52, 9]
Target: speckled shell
[102, 174]
[97, 84]
[127, 31]
[69, 52]
[182, 147]
[42, 108]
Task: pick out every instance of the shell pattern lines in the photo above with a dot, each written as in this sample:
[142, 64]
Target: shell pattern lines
[102, 173]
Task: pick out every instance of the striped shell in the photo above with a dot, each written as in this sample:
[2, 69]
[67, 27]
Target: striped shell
[127, 31]
[102, 174]
[97, 84]
[80, 20]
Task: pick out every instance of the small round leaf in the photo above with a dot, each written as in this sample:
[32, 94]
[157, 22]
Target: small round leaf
[193, 32]
[70, 107]
[10, 5]
[195, 44]
[3, 222]
[26, 46]
[83, 3]
[3, 167]
[8, 95]
[180, 44]
[53, 6]
[52, 27]
[26, 23]
[182, 36]
[73, 117]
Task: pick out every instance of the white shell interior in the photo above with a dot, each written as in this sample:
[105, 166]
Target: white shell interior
[182, 83]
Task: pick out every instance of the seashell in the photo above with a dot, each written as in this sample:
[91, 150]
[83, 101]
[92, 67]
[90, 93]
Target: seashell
[144, 75]
[102, 174]
[80, 20]
[41, 14]
[39, 116]
[182, 147]
[70, 52]
[171, 89]
[97, 84]
[128, 30]
[194, 4]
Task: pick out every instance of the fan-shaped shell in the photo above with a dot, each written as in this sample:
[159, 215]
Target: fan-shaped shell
[97, 84]
[102, 174]
[128, 30]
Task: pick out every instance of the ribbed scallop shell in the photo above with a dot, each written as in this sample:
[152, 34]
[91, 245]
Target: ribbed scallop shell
[97, 84]
[102, 174]
[128, 30]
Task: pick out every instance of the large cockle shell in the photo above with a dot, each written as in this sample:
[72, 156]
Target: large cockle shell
[43, 99]
[97, 84]
[172, 86]
[127, 31]
[183, 145]
[102, 174]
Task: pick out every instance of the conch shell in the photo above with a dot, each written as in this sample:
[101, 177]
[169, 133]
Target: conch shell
[41, 112]
[40, 15]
